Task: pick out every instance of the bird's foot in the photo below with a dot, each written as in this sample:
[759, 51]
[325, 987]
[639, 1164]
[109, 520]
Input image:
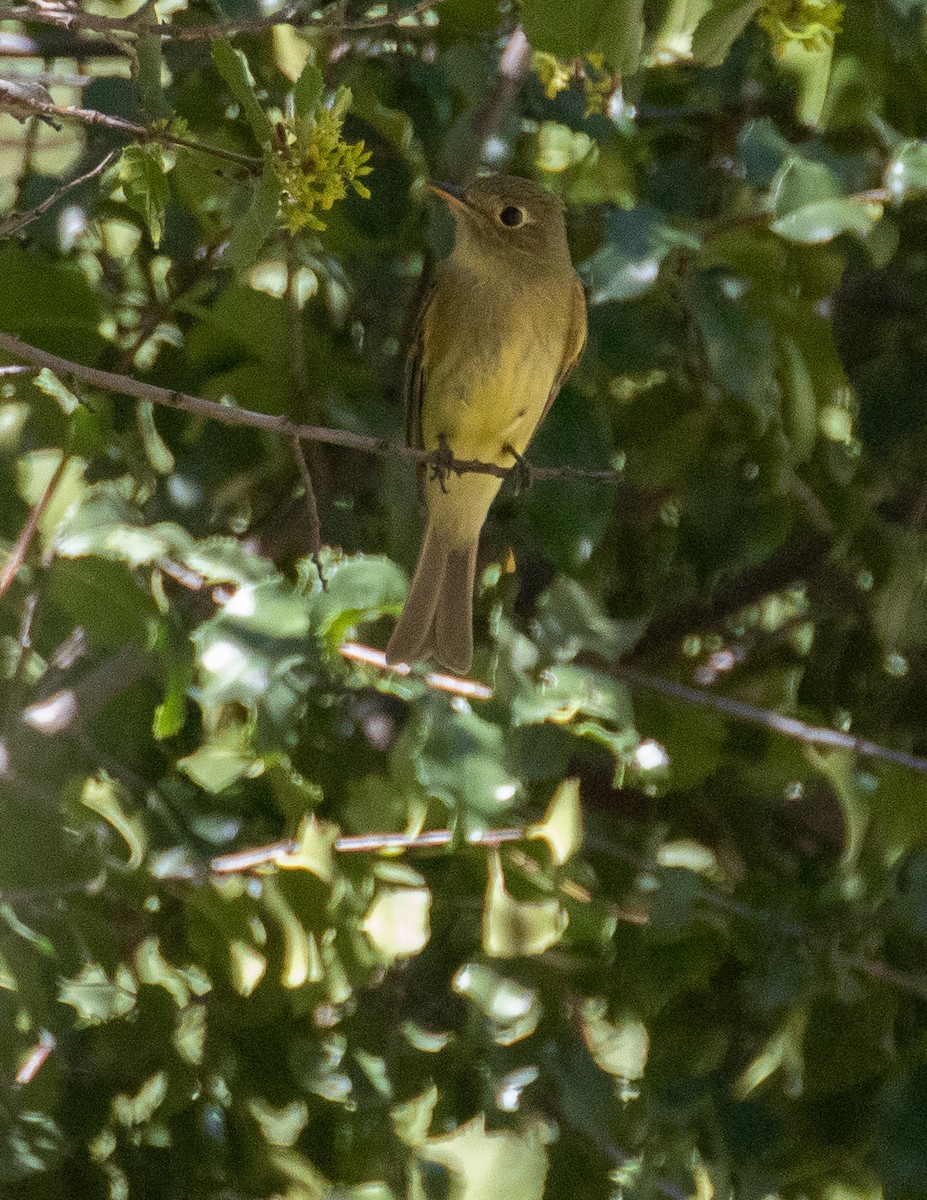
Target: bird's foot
[520, 472]
[441, 463]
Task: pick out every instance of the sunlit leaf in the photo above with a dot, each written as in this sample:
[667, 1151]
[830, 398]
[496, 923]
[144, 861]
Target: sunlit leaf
[562, 826]
[397, 921]
[97, 998]
[491, 1166]
[101, 795]
[512, 928]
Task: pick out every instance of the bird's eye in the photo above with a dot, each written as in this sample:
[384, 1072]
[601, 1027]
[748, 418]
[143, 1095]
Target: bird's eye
[511, 216]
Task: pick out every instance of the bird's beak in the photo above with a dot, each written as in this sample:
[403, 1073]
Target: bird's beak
[449, 192]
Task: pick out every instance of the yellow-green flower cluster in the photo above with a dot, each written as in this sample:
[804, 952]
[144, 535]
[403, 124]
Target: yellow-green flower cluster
[554, 73]
[814, 23]
[316, 166]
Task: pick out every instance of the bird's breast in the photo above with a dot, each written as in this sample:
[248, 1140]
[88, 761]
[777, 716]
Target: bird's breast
[489, 372]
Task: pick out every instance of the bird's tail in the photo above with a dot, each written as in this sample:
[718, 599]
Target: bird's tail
[437, 621]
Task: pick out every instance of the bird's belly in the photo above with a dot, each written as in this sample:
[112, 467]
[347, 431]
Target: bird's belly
[488, 405]
[484, 409]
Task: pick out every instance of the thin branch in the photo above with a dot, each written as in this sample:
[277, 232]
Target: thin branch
[291, 14]
[230, 414]
[17, 221]
[36, 1058]
[144, 133]
[492, 118]
[60, 44]
[470, 689]
[10, 568]
[299, 371]
[312, 511]
[750, 714]
[365, 843]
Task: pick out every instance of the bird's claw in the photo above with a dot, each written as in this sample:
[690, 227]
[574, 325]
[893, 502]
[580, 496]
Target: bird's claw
[520, 472]
[441, 463]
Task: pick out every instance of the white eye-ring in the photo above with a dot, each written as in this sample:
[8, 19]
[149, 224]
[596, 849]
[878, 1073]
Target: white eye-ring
[512, 217]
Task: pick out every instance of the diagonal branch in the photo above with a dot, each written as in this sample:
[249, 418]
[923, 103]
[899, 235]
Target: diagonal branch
[144, 133]
[230, 414]
[17, 221]
[301, 16]
[18, 554]
[765, 718]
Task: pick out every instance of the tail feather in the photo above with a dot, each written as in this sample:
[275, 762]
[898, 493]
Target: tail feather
[437, 621]
[453, 622]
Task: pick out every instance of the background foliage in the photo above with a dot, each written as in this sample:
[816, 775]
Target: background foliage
[658, 950]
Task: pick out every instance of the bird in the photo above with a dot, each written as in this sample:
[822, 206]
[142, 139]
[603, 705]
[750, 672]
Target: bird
[499, 330]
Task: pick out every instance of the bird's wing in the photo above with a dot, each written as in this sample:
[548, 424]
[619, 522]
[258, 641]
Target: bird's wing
[575, 342]
[415, 381]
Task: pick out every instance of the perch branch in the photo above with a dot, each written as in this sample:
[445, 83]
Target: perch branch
[230, 414]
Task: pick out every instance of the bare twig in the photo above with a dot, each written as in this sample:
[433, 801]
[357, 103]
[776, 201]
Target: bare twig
[17, 221]
[365, 843]
[60, 44]
[229, 414]
[494, 115]
[36, 1058]
[299, 370]
[144, 133]
[295, 14]
[470, 689]
[10, 568]
[312, 511]
[750, 714]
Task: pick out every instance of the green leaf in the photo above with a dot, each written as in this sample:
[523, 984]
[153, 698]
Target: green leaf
[907, 171]
[359, 587]
[458, 758]
[627, 265]
[564, 692]
[618, 1047]
[233, 67]
[157, 450]
[615, 28]
[307, 91]
[818, 223]
[739, 346]
[569, 621]
[397, 922]
[222, 761]
[562, 826]
[512, 1008]
[142, 173]
[252, 230]
[96, 997]
[150, 65]
[800, 182]
[720, 27]
[49, 383]
[497, 1165]
[515, 928]
[799, 401]
[102, 797]
[48, 302]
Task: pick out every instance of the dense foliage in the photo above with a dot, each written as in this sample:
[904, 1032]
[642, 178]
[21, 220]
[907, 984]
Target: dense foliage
[668, 936]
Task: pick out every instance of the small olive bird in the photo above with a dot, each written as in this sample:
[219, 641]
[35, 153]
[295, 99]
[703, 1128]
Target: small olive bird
[501, 327]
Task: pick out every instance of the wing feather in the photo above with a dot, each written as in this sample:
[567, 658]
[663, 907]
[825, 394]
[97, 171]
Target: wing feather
[575, 343]
[415, 381]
